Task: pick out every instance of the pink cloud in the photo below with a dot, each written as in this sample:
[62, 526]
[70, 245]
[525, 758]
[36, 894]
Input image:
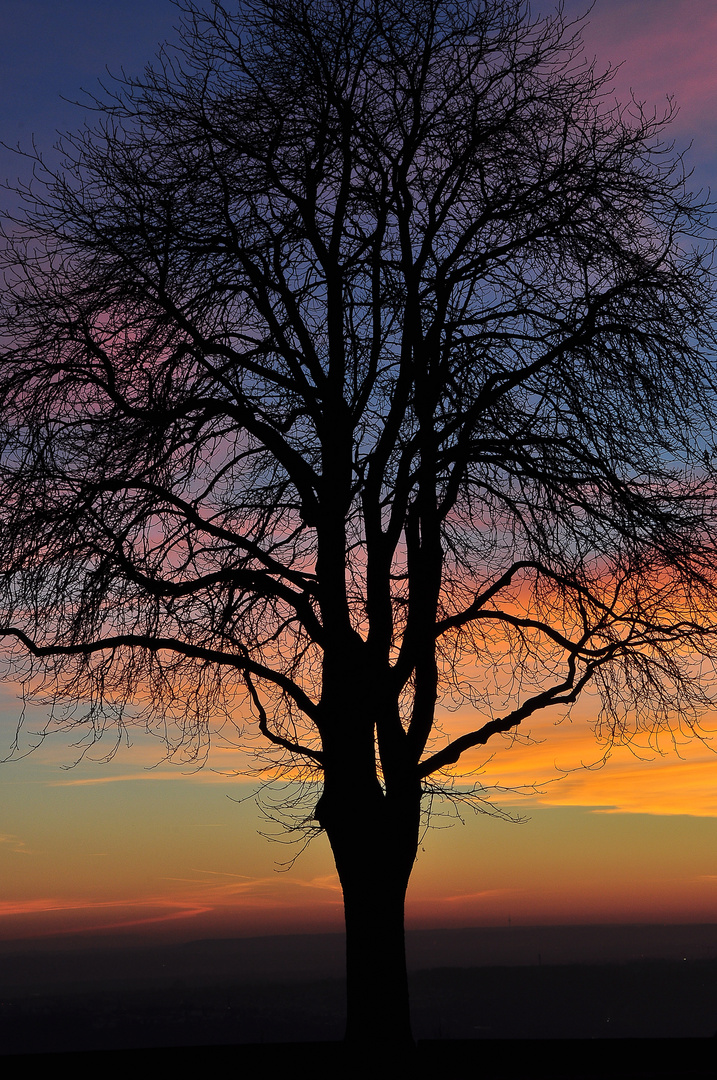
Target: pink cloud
[666, 47]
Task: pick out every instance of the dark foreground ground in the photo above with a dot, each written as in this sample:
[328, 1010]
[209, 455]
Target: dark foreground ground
[488, 1059]
[570, 1021]
[255, 1005]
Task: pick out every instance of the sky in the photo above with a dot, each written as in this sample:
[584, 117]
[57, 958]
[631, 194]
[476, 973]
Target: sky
[136, 846]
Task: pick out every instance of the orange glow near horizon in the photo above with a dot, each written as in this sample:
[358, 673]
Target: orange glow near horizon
[98, 850]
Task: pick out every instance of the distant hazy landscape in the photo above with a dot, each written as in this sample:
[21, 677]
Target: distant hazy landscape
[577, 982]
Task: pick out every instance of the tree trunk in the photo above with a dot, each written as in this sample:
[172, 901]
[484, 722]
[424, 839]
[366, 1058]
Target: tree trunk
[374, 847]
[377, 1002]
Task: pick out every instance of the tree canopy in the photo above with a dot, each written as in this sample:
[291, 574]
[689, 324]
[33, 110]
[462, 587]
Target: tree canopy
[359, 360]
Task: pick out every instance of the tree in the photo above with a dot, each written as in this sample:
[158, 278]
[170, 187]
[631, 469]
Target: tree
[356, 361]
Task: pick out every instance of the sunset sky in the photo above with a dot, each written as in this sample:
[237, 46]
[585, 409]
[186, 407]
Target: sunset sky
[140, 845]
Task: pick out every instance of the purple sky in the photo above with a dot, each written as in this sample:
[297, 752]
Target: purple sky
[49, 50]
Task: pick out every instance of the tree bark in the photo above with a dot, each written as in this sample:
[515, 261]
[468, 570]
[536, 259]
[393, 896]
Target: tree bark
[377, 1000]
[374, 843]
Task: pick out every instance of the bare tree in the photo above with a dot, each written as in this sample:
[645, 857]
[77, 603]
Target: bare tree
[358, 359]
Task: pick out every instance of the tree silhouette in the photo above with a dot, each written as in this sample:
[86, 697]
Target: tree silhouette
[357, 362]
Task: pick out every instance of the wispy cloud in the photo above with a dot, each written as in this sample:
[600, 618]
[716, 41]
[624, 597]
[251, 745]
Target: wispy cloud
[90, 781]
[565, 765]
[163, 910]
[484, 894]
[279, 885]
[14, 844]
